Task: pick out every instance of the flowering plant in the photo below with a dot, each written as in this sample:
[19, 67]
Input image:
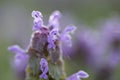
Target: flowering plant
[43, 59]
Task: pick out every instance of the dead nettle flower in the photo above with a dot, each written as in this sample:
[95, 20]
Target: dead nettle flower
[78, 75]
[54, 35]
[21, 58]
[45, 54]
[54, 28]
[44, 68]
[54, 19]
[38, 22]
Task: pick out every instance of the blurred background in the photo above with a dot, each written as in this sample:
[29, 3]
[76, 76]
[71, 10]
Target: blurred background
[96, 42]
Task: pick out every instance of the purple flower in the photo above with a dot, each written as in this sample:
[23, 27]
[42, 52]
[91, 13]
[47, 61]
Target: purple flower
[78, 75]
[38, 22]
[52, 37]
[82, 74]
[65, 36]
[53, 28]
[51, 42]
[54, 19]
[44, 68]
[21, 58]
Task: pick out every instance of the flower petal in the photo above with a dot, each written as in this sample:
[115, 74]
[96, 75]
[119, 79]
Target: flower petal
[82, 74]
[38, 22]
[69, 29]
[54, 19]
[16, 49]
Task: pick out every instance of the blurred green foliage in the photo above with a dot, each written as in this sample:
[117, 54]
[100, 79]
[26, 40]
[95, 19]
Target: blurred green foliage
[6, 72]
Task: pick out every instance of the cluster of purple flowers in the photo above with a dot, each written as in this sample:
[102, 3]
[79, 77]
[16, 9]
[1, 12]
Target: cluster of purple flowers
[54, 28]
[99, 48]
[53, 35]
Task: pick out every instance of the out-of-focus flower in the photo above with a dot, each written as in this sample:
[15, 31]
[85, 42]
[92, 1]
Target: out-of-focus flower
[87, 47]
[54, 19]
[20, 61]
[21, 58]
[65, 36]
[77, 76]
[111, 33]
[110, 41]
[44, 68]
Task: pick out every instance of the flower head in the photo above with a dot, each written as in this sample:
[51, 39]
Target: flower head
[53, 28]
[44, 68]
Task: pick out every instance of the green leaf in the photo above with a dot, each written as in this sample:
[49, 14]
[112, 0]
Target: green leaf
[32, 70]
[34, 65]
[55, 71]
